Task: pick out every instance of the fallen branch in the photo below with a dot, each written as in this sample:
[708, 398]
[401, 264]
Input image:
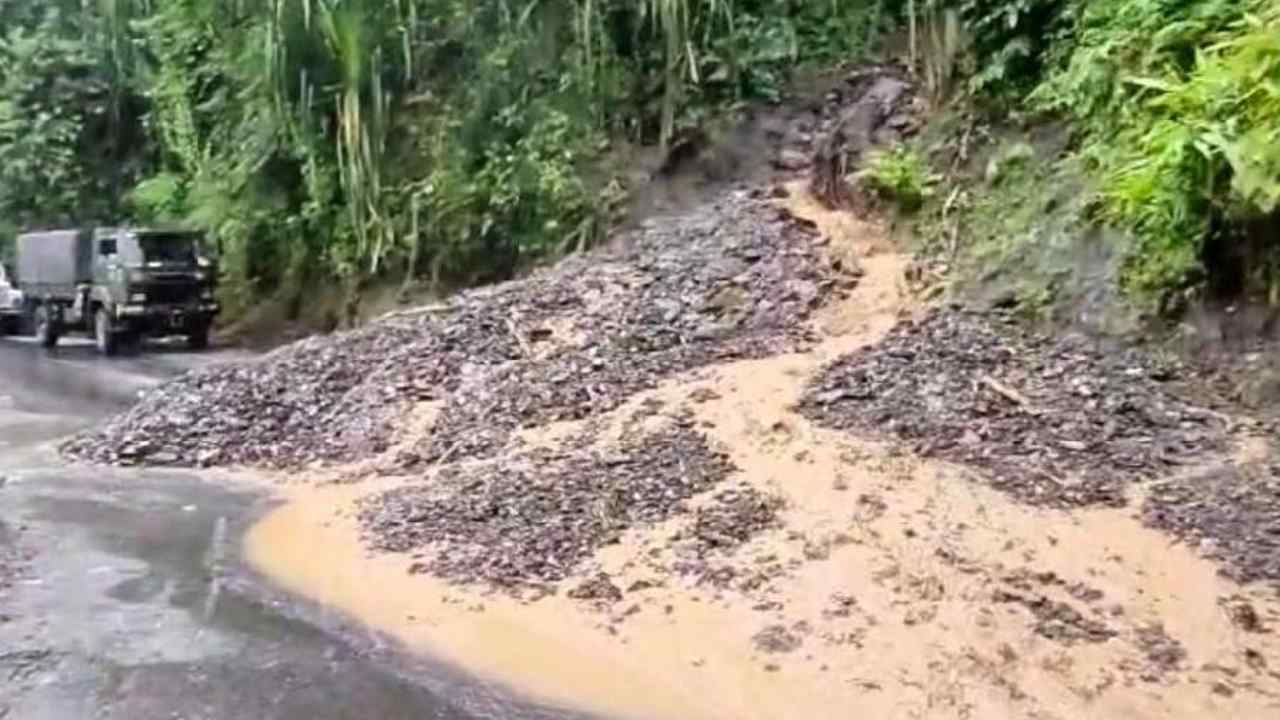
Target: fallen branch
[515, 333]
[1008, 393]
[423, 310]
[951, 201]
[952, 231]
[453, 447]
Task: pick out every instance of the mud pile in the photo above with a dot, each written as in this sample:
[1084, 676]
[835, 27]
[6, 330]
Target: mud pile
[1053, 422]
[531, 519]
[735, 279]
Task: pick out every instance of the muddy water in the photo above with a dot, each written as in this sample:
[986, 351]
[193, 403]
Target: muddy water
[913, 591]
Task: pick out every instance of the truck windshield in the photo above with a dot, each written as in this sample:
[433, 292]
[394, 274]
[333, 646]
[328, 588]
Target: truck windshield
[168, 248]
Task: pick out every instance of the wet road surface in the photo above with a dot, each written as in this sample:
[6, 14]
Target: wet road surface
[134, 603]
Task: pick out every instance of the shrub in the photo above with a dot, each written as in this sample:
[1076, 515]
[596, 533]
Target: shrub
[900, 175]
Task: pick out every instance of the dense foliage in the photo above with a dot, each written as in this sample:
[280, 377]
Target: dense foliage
[1175, 104]
[323, 140]
[353, 139]
[1179, 104]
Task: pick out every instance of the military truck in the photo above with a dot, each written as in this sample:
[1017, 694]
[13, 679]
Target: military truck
[116, 284]
[10, 304]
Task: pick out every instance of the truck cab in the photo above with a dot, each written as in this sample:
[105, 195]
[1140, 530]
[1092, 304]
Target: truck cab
[151, 283]
[118, 284]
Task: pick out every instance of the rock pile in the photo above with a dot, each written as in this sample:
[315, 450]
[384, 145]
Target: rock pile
[1231, 514]
[734, 279]
[13, 562]
[532, 518]
[733, 517]
[1056, 423]
[1058, 621]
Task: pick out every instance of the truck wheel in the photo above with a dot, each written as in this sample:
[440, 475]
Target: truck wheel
[46, 328]
[198, 339]
[104, 335]
[131, 341]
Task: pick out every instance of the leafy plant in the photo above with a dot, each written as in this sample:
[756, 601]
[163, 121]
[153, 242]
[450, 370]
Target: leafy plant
[53, 98]
[901, 175]
[1178, 100]
[1011, 39]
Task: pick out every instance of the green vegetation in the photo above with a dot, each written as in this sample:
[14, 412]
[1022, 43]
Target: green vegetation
[338, 142]
[899, 174]
[1173, 107]
[357, 140]
[1178, 104]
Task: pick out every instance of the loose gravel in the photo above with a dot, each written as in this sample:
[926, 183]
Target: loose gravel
[1231, 514]
[532, 519]
[1056, 423]
[735, 279]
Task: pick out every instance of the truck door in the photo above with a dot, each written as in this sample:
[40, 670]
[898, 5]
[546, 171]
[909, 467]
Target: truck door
[106, 266]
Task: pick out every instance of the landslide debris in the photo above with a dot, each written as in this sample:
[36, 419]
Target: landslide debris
[531, 518]
[777, 639]
[1058, 621]
[733, 517]
[1229, 513]
[878, 118]
[1056, 423]
[733, 279]
[14, 563]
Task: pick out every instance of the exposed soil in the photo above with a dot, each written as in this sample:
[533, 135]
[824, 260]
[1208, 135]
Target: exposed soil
[880, 108]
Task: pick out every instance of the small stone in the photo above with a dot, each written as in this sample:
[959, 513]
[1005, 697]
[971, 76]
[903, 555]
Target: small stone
[792, 160]
[777, 639]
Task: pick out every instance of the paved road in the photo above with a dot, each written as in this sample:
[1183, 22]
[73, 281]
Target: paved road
[135, 604]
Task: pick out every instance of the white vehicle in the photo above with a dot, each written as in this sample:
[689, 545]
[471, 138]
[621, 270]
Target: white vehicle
[11, 305]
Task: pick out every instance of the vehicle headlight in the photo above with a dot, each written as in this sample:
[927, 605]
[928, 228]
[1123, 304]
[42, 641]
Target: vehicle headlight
[137, 276]
[206, 295]
[138, 297]
[200, 276]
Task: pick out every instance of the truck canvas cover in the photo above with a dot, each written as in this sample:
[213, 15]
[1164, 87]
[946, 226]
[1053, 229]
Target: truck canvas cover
[58, 258]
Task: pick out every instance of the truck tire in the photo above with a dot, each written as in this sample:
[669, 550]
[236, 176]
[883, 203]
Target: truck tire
[198, 338]
[104, 334]
[47, 330]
